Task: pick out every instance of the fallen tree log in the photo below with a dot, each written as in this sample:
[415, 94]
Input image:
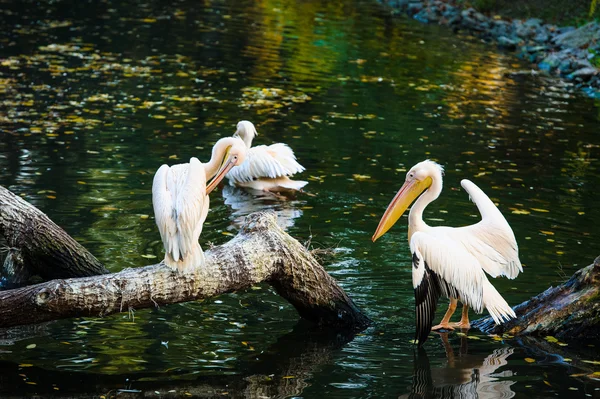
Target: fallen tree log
[36, 246]
[568, 312]
[261, 252]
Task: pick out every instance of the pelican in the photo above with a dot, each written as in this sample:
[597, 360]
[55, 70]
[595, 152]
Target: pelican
[451, 261]
[267, 168]
[180, 200]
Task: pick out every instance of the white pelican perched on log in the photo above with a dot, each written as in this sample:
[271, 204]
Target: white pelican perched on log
[267, 167]
[451, 261]
[180, 199]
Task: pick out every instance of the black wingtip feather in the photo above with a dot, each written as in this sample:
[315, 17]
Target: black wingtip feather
[427, 294]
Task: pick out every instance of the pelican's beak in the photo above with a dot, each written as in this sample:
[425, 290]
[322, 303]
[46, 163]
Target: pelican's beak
[405, 196]
[226, 166]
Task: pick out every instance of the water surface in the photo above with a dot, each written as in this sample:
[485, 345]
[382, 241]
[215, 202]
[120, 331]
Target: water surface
[97, 95]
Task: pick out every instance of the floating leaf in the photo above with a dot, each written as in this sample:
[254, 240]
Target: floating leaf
[361, 177]
[529, 360]
[31, 346]
[591, 362]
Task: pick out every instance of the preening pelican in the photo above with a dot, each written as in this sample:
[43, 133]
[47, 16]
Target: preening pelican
[180, 200]
[267, 168]
[451, 261]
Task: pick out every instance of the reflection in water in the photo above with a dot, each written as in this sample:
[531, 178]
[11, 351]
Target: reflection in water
[465, 375]
[282, 370]
[245, 202]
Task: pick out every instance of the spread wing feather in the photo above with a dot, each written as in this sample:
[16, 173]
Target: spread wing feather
[491, 241]
[273, 161]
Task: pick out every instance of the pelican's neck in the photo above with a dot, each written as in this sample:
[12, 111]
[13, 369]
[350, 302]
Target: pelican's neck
[415, 216]
[246, 131]
[218, 153]
[247, 138]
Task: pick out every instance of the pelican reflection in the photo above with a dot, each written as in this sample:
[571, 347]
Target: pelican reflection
[244, 202]
[464, 376]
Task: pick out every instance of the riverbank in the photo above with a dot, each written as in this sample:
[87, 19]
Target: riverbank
[569, 52]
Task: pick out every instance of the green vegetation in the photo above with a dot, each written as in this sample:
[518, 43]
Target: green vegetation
[574, 12]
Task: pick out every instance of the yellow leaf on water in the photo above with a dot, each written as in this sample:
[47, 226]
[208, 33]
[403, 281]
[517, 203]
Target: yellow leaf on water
[148, 256]
[25, 365]
[548, 233]
[529, 360]
[521, 212]
[551, 339]
[540, 210]
[361, 177]
[226, 233]
[591, 361]
[81, 182]
[31, 346]
[547, 383]
[144, 216]
[287, 377]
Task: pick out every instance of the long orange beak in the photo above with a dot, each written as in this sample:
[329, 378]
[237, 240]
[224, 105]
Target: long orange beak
[225, 167]
[405, 196]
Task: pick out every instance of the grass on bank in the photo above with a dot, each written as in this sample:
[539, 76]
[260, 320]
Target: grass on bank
[559, 12]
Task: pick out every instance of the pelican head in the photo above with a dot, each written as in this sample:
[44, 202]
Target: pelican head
[246, 131]
[418, 179]
[232, 151]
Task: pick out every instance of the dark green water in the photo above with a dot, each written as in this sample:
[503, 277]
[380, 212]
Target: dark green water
[96, 95]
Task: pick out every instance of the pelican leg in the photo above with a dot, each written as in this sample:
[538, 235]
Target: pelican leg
[444, 324]
[464, 319]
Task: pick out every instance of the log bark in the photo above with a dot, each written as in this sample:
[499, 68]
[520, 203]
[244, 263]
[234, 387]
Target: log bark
[261, 252]
[36, 246]
[568, 312]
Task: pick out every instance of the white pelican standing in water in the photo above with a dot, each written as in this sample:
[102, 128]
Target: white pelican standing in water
[267, 168]
[180, 199]
[450, 261]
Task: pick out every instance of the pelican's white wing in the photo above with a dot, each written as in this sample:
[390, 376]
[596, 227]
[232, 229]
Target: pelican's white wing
[491, 241]
[180, 207]
[440, 267]
[189, 206]
[163, 201]
[273, 161]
